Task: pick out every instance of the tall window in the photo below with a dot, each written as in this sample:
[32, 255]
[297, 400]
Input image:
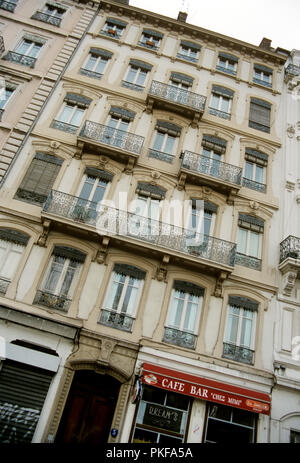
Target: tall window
[227, 63]
[151, 39]
[8, 5]
[26, 51]
[188, 51]
[118, 124]
[51, 13]
[61, 278]
[71, 114]
[122, 297]
[136, 75]
[260, 115]
[114, 28]
[179, 88]
[12, 246]
[39, 179]
[213, 150]
[262, 75]
[184, 314]
[239, 338]
[5, 95]
[203, 217]
[96, 63]
[221, 102]
[255, 170]
[165, 141]
[249, 241]
[92, 191]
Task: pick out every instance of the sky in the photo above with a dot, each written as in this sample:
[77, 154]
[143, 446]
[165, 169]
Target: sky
[246, 20]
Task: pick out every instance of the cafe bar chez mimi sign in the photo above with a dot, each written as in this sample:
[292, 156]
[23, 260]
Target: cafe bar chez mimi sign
[206, 389]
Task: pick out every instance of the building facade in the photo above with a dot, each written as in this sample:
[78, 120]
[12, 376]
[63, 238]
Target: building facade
[140, 223]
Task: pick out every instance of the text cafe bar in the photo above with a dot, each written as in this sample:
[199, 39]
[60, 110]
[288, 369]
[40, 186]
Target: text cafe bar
[206, 389]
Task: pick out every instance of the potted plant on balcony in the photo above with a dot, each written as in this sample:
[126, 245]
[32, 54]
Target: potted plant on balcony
[292, 254]
[150, 43]
[112, 31]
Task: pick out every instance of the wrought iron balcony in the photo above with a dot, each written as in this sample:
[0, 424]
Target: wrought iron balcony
[238, 353]
[119, 140]
[248, 261]
[116, 320]
[290, 247]
[217, 112]
[160, 155]
[177, 99]
[4, 283]
[115, 222]
[261, 187]
[64, 126]
[131, 86]
[179, 338]
[20, 59]
[8, 6]
[227, 70]
[52, 301]
[92, 74]
[47, 18]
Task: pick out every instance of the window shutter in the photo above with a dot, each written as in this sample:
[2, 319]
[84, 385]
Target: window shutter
[153, 33]
[210, 207]
[13, 236]
[121, 112]
[242, 302]
[260, 68]
[69, 253]
[153, 191]
[101, 52]
[260, 112]
[228, 57]
[191, 45]
[116, 22]
[130, 270]
[140, 64]
[97, 173]
[214, 143]
[222, 91]
[256, 156]
[177, 77]
[252, 223]
[168, 127]
[187, 287]
[78, 100]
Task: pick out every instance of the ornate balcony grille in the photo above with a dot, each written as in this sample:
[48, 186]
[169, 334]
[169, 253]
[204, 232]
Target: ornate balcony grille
[160, 155]
[178, 95]
[261, 187]
[64, 126]
[47, 18]
[292, 71]
[4, 283]
[205, 165]
[217, 112]
[238, 353]
[8, 6]
[248, 261]
[131, 86]
[52, 301]
[20, 59]
[113, 221]
[113, 137]
[88, 73]
[179, 338]
[262, 82]
[290, 247]
[116, 320]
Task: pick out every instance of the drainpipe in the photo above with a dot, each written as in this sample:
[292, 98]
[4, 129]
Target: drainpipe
[49, 96]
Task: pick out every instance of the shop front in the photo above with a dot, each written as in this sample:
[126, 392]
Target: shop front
[167, 397]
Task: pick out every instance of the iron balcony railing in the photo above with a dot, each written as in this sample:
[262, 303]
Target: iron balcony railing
[217, 112]
[52, 301]
[20, 59]
[166, 157]
[111, 221]
[261, 187]
[248, 261]
[8, 6]
[64, 126]
[112, 137]
[47, 18]
[92, 74]
[202, 164]
[116, 320]
[177, 95]
[179, 338]
[238, 353]
[290, 247]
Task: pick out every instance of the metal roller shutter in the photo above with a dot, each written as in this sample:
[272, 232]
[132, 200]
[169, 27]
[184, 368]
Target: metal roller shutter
[23, 390]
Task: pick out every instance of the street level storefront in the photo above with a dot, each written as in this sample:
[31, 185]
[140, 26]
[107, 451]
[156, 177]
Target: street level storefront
[166, 400]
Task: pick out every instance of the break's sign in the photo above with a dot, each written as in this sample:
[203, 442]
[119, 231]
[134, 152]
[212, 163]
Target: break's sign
[206, 389]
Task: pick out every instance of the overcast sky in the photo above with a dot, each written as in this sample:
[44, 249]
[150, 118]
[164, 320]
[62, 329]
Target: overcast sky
[247, 20]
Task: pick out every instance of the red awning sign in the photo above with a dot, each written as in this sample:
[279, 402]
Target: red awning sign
[206, 389]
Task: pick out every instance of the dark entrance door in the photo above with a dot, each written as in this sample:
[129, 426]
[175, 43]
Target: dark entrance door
[89, 409]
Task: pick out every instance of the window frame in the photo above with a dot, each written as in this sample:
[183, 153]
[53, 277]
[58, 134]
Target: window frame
[99, 59]
[252, 123]
[220, 101]
[132, 84]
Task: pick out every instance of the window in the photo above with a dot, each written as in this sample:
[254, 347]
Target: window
[5, 95]
[114, 28]
[96, 63]
[221, 102]
[249, 241]
[162, 417]
[203, 217]
[118, 124]
[27, 51]
[151, 39]
[213, 149]
[136, 75]
[239, 338]
[179, 88]
[122, 297]
[71, 114]
[39, 179]
[92, 190]
[188, 51]
[165, 141]
[262, 75]
[51, 13]
[255, 170]
[12, 245]
[227, 63]
[260, 114]
[61, 278]
[184, 314]
[295, 437]
[8, 5]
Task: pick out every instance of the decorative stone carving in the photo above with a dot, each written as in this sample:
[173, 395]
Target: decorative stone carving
[289, 279]
[43, 237]
[107, 346]
[102, 252]
[161, 273]
[219, 284]
[254, 205]
[290, 130]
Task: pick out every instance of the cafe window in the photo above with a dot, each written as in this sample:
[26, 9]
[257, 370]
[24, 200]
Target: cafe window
[161, 417]
[229, 425]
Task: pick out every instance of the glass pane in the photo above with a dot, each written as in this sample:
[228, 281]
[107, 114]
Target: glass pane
[131, 75]
[246, 329]
[66, 113]
[141, 77]
[101, 65]
[242, 241]
[225, 105]
[129, 300]
[214, 103]
[76, 117]
[190, 316]
[12, 261]
[34, 50]
[123, 125]
[115, 292]
[220, 411]
[259, 174]
[23, 47]
[54, 274]
[176, 311]
[87, 188]
[113, 122]
[67, 281]
[153, 394]
[99, 192]
[158, 142]
[232, 329]
[169, 144]
[249, 170]
[243, 417]
[177, 401]
[254, 244]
